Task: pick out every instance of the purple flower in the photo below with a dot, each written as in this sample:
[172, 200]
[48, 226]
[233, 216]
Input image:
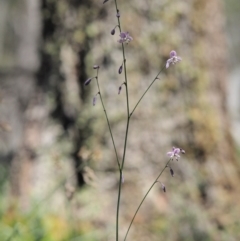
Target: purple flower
[125, 37]
[175, 153]
[173, 58]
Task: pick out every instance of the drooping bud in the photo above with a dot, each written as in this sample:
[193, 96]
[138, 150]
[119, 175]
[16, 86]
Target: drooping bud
[119, 89]
[113, 31]
[87, 82]
[94, 100]
[120, 69]
[95, 66]
[105, 1]
[163, 187]
[172, 172]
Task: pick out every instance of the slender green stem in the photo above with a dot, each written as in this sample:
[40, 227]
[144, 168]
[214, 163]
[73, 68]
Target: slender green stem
[116, 6]
[126, 133]
[109, 127]
[128, 116]
[156, 180]
[118, 202]
[147, 90]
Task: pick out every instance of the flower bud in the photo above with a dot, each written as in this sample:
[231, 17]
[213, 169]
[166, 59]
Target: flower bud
[172, 172]
[87, 82]
[113, 31]
[105, 1]
[95, 67]
[120, 69]
[119, 89]
[163, 187]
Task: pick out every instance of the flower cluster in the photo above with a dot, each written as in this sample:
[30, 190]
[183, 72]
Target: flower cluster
[175, 153]
[125, 37]
[173, 58]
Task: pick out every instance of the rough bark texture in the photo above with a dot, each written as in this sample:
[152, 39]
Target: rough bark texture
[20, 31]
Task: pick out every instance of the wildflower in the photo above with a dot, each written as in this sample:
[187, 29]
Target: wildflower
[175, 153]
[173, 58]
[125, 37]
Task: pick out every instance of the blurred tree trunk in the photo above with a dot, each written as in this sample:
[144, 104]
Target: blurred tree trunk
[29, 80]
[66, 44]
[20, 128]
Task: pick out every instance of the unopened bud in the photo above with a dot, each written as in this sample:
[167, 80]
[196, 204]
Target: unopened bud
[120, 69]
[113, 31]
[105, 1]
[87, 82]
[172, 172]
[119, 89]
[95, 67]
[163, 187]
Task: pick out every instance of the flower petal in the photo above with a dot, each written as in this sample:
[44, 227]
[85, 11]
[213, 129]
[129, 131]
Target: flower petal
[173, 53]
[167, 64]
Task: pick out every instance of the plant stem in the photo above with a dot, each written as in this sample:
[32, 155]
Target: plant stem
[146, 91]
[118, 203]
[126, 133]
[109, 127]
[156, 180]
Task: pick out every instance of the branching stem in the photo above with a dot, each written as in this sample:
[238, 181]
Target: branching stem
[156, 180]
[146, 91]
[109, 127]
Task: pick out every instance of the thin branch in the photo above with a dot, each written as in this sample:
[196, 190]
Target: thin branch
[156, 180]
[147, 90]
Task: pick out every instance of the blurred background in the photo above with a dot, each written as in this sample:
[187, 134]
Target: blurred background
[58, 173]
